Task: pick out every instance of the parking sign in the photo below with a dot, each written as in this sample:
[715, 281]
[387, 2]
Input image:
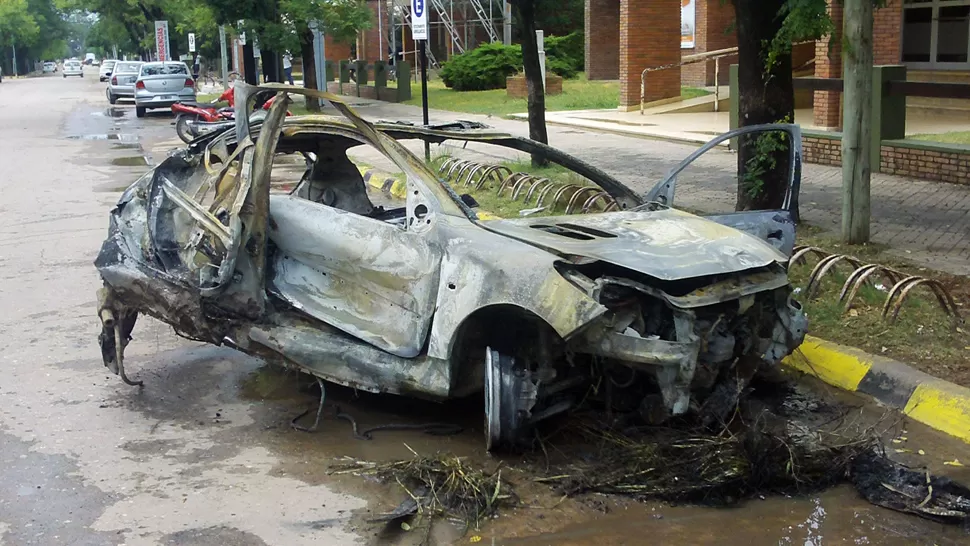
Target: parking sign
[191, 42]
[419, 19]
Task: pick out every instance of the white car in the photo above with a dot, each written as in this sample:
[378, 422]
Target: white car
[50, 68]
[106, 68]
[72, 68]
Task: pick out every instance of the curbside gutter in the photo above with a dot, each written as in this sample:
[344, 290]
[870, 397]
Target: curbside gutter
[934, 402]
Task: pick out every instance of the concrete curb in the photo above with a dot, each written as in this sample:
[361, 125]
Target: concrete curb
[932, 401]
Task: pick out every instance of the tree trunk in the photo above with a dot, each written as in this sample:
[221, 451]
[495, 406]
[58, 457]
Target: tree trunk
[249, 63]
[533, 76]
[856, 133]
[763, 97]
[271, 66]
[309, 66]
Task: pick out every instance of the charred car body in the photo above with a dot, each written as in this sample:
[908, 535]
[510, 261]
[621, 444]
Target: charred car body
[666, 310]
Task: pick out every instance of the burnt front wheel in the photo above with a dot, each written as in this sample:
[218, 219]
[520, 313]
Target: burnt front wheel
[510, 395]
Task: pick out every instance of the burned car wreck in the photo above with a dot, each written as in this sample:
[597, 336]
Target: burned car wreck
[664, 311]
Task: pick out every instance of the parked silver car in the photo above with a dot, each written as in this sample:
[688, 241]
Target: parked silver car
[122, 82]
[162, 84]
[106, 68]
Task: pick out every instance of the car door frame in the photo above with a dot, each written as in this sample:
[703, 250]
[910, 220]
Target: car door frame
[775, 226]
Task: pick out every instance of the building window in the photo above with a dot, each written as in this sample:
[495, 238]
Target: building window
[936, 34]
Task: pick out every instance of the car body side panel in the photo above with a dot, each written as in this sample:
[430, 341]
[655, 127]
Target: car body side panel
[371, 279]
[481, 269]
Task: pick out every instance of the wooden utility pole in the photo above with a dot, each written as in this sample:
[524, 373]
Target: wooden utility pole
[856, 134]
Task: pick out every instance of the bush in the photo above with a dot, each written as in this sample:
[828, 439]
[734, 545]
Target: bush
[567, 53]
[484, 67]
[560, 67]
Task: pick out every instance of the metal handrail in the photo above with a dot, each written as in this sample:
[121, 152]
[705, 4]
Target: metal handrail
[696, 58]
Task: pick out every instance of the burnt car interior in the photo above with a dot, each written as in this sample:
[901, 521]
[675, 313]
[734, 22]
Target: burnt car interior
[674, 312]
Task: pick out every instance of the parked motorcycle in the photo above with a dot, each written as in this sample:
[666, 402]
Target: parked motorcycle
[189, 114]
[194, 119]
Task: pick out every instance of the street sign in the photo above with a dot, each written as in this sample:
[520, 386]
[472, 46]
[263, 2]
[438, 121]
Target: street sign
[161, 41]
[191, 42]
[419, 19]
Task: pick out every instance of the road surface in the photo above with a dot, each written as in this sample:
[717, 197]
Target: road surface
[204, 454]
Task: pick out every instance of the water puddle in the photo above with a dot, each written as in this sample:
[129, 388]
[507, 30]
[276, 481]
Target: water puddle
[126, 146]
[111, 187]
[120, 137]
[130, 161]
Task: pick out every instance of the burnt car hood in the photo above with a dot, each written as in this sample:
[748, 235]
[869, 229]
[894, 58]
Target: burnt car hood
[665, 244]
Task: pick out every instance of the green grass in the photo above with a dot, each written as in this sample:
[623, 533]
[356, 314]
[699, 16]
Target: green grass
[922, 335]
[578, 94]
[504, 206]
[953, 137]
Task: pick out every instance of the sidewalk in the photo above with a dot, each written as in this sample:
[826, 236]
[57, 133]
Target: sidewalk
[699, 127]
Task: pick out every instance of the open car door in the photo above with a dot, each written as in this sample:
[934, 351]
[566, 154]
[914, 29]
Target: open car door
[776, 226]
[207, 227]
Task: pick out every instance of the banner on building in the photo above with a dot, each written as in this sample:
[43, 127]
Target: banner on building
[161, 41]
[419, 19]
[687, 26]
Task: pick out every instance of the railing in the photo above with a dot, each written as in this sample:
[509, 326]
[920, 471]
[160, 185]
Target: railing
[690, 59]
[715, 55]
[941, 90]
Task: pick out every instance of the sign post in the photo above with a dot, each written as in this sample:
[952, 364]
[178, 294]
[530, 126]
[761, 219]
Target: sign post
[541, 43]
[161, 41]
[191, 42]
[319, 57]
[225, 57]
[419, 32]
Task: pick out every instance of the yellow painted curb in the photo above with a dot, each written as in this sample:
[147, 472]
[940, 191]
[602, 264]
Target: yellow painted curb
[830, 363]
[936, 403]
[384, 182]
[943, 406]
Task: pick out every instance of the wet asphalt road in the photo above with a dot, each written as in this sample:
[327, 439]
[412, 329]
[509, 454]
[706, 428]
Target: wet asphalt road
[203, 455]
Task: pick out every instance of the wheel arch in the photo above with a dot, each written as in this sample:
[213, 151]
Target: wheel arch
[508, 328]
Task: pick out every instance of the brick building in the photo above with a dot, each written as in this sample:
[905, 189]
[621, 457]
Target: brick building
[624, 37]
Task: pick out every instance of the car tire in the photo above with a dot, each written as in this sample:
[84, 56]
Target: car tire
[111, 98]
[139, 111]
[505, 426]
[64, 76]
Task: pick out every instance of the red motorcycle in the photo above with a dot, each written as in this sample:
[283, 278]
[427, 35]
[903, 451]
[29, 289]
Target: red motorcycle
[189, 114]
[194, 119]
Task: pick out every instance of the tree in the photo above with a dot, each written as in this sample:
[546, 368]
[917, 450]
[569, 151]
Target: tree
[856, 166]
[526, 11]
[766, 30]
[283, 25]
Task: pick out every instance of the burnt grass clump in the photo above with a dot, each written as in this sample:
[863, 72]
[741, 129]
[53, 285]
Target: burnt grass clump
[443, 486]
[779, 440]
